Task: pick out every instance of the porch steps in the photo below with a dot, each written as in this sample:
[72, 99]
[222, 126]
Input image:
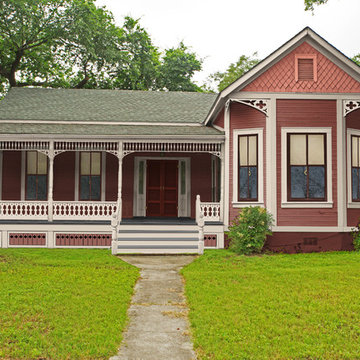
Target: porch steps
[158, 239]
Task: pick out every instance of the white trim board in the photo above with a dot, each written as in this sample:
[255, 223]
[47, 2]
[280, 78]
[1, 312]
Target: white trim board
[329, 165]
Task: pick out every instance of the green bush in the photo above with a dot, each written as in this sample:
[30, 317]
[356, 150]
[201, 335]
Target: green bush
[355, 232]
[249, 229]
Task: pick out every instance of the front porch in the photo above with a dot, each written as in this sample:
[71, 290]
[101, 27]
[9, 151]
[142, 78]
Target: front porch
[127, 181]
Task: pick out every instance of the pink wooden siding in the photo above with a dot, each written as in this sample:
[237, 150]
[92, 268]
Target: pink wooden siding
[11, 175]
[243, 117]
[219, 121]
[352, 122]
[111, 178]
[295, 242]
[306, 113]
[281, 76]
[64, 177]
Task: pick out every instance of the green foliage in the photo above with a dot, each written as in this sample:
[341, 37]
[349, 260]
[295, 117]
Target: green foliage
[234, 71]
[355, 233]
[177, 69]
[302, 306]
[356, 59]
[309, 4]
[249, 229]
[62, 303]
[74, 43]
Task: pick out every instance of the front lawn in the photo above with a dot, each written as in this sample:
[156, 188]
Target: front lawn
[62, 304]
[304, 306]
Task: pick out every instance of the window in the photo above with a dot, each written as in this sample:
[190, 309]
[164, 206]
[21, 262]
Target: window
[306, 167]
[248, 168]
[36, 176]
[90, 176]
[355, 167]
[248, 174]
[306, 67]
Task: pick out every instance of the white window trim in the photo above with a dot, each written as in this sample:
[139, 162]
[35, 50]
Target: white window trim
[306, 204]
[260, 133]
[350, 203]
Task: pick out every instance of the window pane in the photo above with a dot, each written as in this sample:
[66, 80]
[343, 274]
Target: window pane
[85, 163]
[316, 150]
[96, 163]
[355, 152]
[42, 164]
[316, 182]
[141, 177]
[243, 182]
[31, 162]
[182, 177]
[31, 187]
[297, 149]
[298, 182]
[41, 187]
[243, 150]
[355, 184]
[85, 187]
[252, 150]
[95, 188]
[253, 182]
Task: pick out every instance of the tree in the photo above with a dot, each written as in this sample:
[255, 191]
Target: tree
[139, 65]
[234, 71]
[356, 59]
[177, 69]
[309, 4]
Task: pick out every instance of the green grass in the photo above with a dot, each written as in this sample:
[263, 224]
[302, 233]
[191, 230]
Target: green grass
[62, 304]
[304, 306]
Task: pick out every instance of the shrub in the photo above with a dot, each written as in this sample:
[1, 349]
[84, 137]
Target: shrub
[249, 229]
[355, 233]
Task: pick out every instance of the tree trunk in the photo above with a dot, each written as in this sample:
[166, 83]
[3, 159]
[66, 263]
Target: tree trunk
[14, 67]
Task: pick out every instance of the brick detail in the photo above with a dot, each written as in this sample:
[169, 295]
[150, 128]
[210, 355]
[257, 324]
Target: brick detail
[210, 240]
[83, 239]
[27, 239]
[281, 76]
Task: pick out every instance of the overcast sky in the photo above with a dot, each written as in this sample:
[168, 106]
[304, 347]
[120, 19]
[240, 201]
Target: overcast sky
[220, 31]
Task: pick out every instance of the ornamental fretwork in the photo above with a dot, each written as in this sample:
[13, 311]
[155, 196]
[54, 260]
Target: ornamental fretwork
[259, 104]
[350, 105]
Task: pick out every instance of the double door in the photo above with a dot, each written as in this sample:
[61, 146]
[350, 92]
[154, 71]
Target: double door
[162, 188]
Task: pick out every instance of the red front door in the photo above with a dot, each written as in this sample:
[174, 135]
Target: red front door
[162, 188]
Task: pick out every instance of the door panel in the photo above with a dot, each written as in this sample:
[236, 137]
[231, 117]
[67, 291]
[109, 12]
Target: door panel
[162, 188]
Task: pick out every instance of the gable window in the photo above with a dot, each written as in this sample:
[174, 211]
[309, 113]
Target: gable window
[248, 174]
[306, 167]
[90, 175]
[305, 68]
[355, 167]
[36, 176]
[248, 168]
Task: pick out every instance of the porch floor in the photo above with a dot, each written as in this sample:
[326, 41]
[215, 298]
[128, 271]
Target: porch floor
[158, 221]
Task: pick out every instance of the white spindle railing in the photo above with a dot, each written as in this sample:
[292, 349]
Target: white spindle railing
[34, 210]
[210, 211]
[83, 210]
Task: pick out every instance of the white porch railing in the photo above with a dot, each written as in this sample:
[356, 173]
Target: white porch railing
[83, 210]
[210, 211]
[24, 210]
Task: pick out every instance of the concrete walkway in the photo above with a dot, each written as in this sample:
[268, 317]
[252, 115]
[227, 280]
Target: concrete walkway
[158, 327]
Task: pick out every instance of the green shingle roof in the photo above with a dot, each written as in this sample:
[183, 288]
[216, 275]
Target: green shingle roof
[85, 129]
[105, 105]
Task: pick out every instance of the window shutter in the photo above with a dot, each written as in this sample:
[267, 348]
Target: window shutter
[305, 69]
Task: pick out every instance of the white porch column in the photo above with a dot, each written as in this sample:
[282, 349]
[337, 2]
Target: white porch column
[51, 156]
[222, 179]
[119, 198]
[1, 171]
[226, 184]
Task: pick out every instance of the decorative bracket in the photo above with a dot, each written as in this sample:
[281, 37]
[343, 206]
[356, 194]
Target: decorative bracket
[350, 105]
[258, 104]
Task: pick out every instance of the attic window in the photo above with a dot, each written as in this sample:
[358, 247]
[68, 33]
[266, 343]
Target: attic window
[305, 68]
